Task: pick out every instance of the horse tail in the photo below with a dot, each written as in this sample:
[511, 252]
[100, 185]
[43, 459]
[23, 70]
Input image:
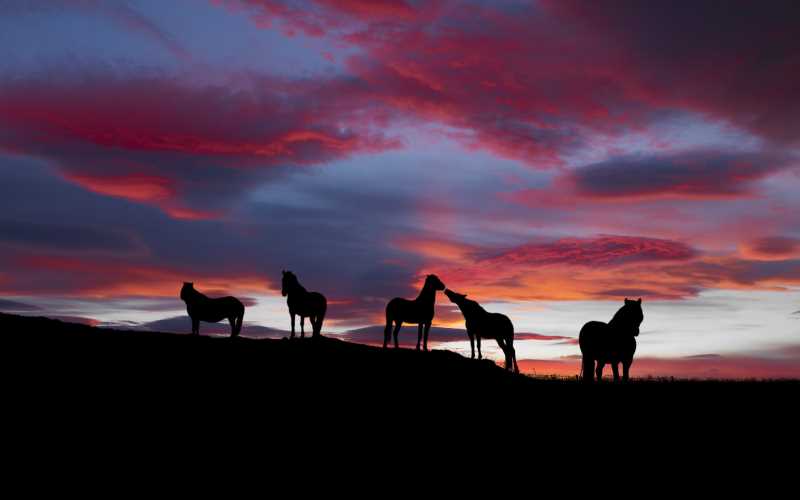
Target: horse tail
[511, 348]
[239, 321]
[587, 362]
[387, 332]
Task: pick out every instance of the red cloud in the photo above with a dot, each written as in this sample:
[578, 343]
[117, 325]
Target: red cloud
[601, 268]
[530, 81]
[772, 248]
[140, 138]
[43, 275]
[601, 251]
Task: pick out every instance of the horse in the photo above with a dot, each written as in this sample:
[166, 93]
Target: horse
[612, 343]
[482, 324]
[202, 308]
[301, 302]
[419, 310]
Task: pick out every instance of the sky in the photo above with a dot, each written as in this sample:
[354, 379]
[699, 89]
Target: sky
[548, 158]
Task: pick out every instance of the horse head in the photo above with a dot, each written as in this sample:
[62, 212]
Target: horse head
[434, 282]
[633, 314]
[455, 298]
[186, 289]
[288, 281]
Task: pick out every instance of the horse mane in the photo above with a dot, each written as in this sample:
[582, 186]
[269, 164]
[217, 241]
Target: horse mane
[294, 282]
[474, 306]
[622, 316]
[190, 293]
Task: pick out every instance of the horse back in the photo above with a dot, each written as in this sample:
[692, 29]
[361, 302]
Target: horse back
[408, 311]
[307, 304]
[600, 341]
[214, 310]
[591, 335]
[492, 326]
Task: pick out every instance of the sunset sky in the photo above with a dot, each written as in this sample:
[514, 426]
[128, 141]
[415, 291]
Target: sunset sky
[547, 157]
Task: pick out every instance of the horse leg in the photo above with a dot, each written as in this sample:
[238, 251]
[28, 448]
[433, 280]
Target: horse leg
[387, 332]
[615, 369]
[316, 324]
[419, 335]
[292, 315]
[480, 356]
[195, 326]
[513, 353]
[599, 370]
[302, 327]
[587, 369]
[471, 344]
[397, 326]
[232, 321]
[514, 359]
[425, 340]
[626, 366]
[505, 352]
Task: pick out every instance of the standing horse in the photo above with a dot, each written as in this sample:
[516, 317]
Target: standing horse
[483, 324]
[202, 308]
[311, 305]
[611, 343]
[419, 310]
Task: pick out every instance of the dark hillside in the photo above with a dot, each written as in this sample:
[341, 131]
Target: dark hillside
[69, 367]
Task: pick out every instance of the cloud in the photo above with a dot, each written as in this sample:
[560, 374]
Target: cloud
[566, 71]
[183, 324]
[121, 14]
[601, 268]
[772, 248]
[373, 335]
[185, 148]
[600, 251]
[14, 306]
[697, 174]
[69, 238]
[782, 363]
[668, 50]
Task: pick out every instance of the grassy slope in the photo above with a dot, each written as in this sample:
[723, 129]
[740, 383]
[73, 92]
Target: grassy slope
[57, 367]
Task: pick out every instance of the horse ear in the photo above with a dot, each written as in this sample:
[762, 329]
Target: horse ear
[640, 300]
[626, 300]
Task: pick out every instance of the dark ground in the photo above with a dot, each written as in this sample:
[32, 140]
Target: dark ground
[77, 380]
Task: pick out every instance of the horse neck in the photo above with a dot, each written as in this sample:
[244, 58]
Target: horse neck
[193, 296]
[297, 289]
[620, 322]
[427, 294]
[477, 308]
[473, 309]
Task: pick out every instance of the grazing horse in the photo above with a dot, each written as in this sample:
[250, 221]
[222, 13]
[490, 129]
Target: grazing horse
[611, 343]
[311, 305]
[419, 310]
[482, 324]
[202, 308]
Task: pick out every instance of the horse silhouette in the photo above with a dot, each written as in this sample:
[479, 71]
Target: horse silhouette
[301, 302]
[202, 308]
[613, 342]
[419, 310]
[482, 324]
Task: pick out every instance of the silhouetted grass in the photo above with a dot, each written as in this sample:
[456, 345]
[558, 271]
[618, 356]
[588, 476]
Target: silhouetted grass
[63, 365]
